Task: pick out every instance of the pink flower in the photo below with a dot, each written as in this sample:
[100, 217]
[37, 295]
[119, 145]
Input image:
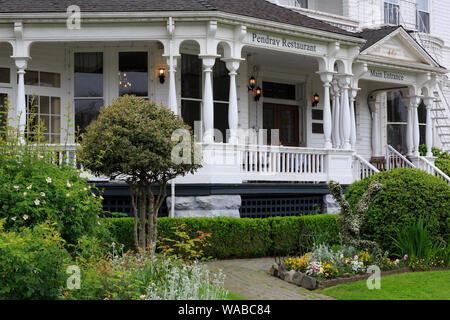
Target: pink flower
[405, 257]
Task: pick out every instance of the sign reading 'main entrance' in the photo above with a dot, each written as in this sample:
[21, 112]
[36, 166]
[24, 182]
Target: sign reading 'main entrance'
[386, 75]
[267, 40]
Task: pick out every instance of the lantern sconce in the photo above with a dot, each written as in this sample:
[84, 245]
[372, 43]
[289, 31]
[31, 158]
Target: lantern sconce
[162, 75]
[316, 100]
[258, 93]
[252, 83]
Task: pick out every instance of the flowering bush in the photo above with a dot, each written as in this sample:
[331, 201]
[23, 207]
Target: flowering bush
[329, 263]
[34, 190]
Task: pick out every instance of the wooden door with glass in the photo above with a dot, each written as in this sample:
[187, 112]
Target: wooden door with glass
[285, 118]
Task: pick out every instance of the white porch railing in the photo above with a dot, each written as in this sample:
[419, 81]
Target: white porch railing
[427, 166]
[65, 153]
[283, 163]
[363, 168]
[395, 159]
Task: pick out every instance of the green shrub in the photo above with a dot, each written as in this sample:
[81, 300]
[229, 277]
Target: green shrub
[407, 195]
[34, 190]
[32, 263]
[243, 238]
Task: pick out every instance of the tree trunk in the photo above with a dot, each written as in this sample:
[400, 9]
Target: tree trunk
[135, 213]
[151, 228]
[142, 209]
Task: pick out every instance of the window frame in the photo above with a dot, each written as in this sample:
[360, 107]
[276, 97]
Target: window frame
[419, 22]
[391, 4]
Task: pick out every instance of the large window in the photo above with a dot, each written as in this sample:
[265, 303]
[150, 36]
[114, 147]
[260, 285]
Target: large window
[301, 3]
[423, 16]
[42, 79]
[397, 121]
[397, 117]
[44, 113]
[133, 74]
[191, 92]
[5, 75]
[391, 12]
[88, 88]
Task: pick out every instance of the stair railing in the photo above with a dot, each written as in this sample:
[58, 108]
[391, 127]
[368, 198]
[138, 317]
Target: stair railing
[395, 159]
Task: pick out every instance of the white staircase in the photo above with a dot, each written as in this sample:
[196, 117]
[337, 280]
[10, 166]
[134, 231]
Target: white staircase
[441, 116]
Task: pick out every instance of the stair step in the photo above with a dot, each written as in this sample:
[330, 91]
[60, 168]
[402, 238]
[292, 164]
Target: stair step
[440, 118]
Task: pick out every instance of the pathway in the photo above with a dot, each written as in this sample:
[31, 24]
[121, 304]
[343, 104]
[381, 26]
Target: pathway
[250, 278]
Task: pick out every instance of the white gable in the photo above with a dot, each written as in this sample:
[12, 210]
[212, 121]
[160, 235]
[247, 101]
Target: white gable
[400, 46]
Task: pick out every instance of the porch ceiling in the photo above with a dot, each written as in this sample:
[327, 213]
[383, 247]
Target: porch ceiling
[277, 60]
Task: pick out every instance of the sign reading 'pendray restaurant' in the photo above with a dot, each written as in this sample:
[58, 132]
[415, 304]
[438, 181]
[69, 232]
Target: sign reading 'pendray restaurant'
[282, 42]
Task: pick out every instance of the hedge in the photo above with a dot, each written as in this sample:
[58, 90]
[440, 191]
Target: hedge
[244, 238]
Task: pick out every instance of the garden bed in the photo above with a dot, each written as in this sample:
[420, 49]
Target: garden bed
[311, 283]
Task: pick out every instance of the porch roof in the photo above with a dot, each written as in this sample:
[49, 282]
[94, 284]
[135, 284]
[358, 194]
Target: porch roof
[261, 9]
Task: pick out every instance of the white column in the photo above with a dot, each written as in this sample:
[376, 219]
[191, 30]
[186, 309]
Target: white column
[172, 101]
[346, 120]
[208, 103]
[333, 115]
[353, 119]
[337, 117]
[429, 127]
[409, 131]
[326, 78]
[416, 129]
[375, 107]
[21, 64]
[327, 125]
[233, 66]
[341, 119]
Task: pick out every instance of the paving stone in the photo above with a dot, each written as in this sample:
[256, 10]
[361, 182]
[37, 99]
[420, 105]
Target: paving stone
[250, 278]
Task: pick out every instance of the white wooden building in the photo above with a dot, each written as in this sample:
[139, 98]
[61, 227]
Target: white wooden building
[345, 103]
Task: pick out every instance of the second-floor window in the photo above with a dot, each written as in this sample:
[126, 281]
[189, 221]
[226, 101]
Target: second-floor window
[423, 16]
[301, 3]
[391, 12]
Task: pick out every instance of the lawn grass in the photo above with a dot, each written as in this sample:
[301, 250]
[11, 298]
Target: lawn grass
[432, 285]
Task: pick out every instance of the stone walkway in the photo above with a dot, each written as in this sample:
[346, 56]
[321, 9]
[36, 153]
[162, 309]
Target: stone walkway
[250, 278]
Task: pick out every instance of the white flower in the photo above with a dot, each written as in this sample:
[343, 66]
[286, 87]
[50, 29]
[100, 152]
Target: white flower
[42, 194]
[37, 202]
[85, 189]
[68, 184]
[41, 157]
[94, 195]
[13, 218]
[49, 180]
[16, 187]
[25, 217]
[29, 187]
[25, 194]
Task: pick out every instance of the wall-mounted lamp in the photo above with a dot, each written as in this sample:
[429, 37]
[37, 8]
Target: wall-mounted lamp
[251, 87]
[316, 100]
[251, 84]
[162, 75]
[258, 93]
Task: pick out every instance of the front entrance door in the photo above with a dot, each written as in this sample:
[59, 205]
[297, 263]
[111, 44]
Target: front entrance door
[285, 119]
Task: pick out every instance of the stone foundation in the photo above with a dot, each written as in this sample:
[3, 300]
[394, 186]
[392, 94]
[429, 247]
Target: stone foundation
[206, 206]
